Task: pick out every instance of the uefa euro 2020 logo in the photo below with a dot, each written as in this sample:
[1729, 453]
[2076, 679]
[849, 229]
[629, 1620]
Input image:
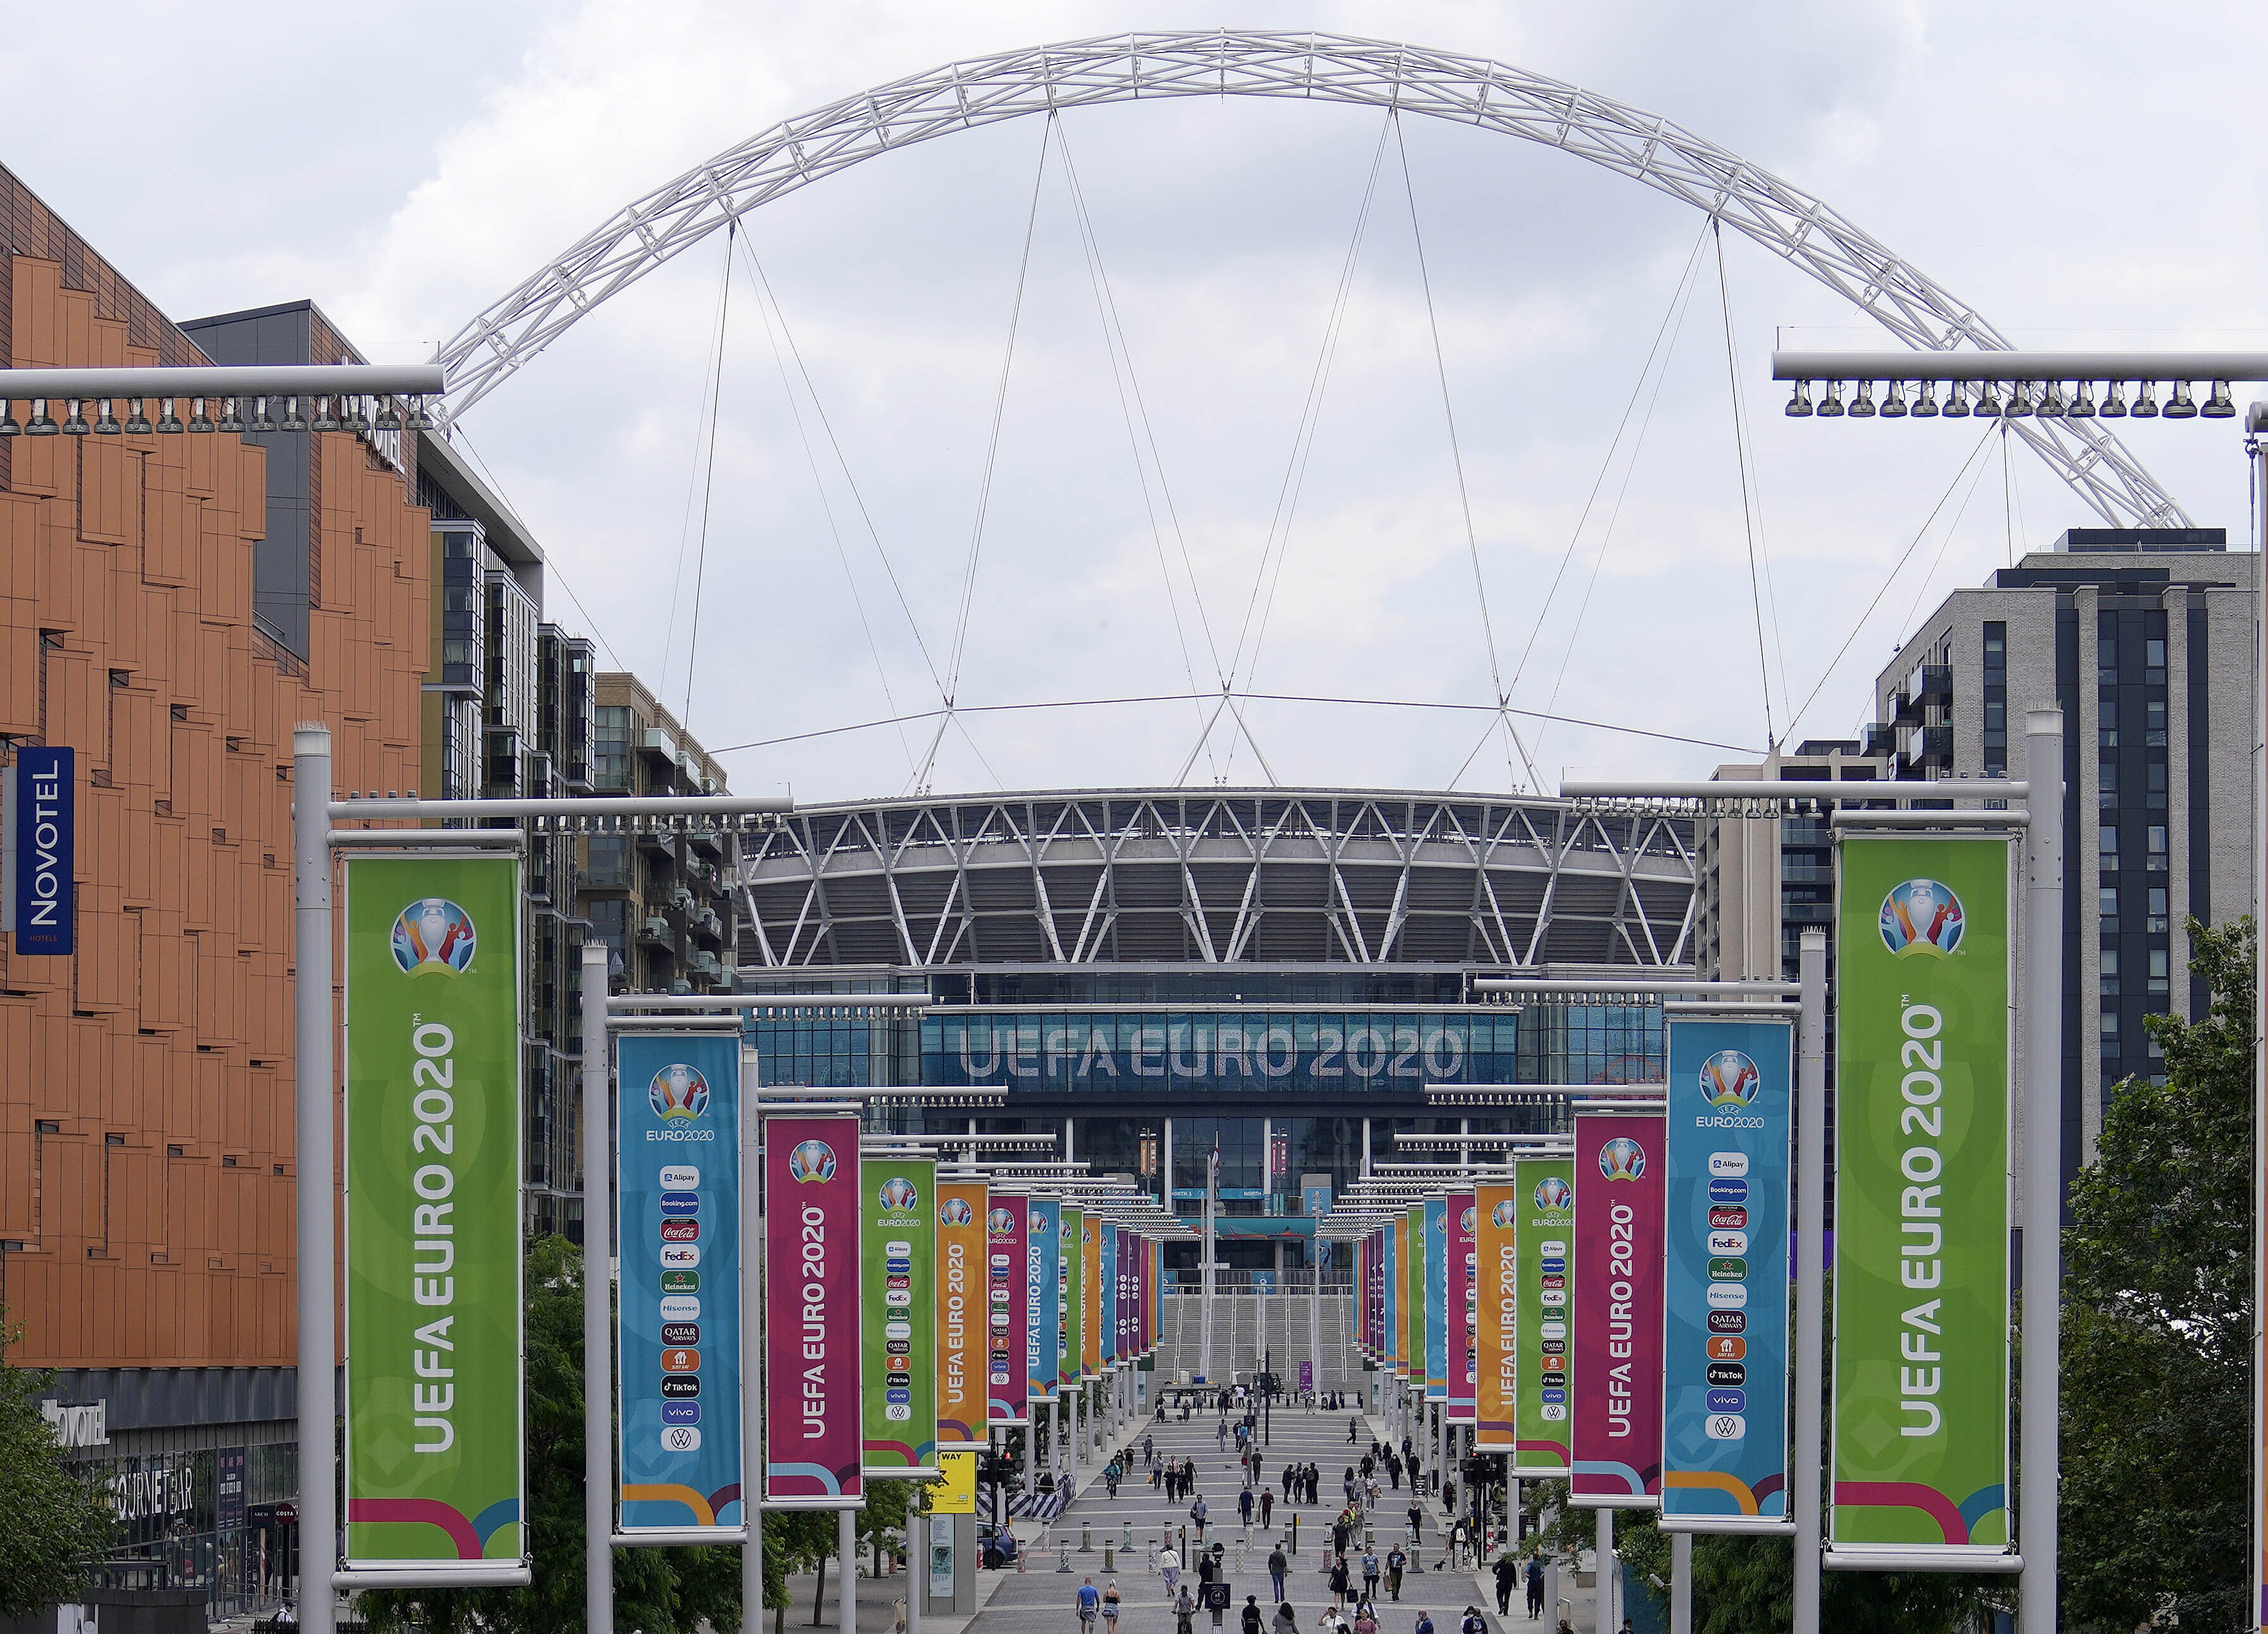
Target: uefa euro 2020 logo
[431, 935]
[1468, 1220]
[811, 1160]
[1622, 1158]
[1921, 917]
[1554, 1196]
[1000, 1222]
[954, 1211]
[1039, 1223]
[677, 1091]
[899, 1196]
[1504, 1216]
[1729, 1078]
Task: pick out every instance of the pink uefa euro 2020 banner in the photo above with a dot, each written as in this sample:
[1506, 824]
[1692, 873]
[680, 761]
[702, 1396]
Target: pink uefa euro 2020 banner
[812, 1430]
[1464, 1377]
[1618, 1276]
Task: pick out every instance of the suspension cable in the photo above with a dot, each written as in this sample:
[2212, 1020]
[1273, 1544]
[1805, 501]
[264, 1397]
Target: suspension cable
[1741, 463]
[704, 426]
[708, 478]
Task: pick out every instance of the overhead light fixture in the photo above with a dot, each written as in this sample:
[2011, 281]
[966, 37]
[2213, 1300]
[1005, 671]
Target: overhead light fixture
[1894, 402]
[1862, 408]
[2019, 400]
[75, 424]
[107, 423]
[2114, 406]
[419, 420]
[1832, 409]
[8, 425]
[1988, 401]
[354, 419]
[1926, 405]
[293, 419]
[2052, 405]
[1956, 401]
[324, 420]
[2082, 403]
[199, 421]
[1799, 407]
[2180, 407]
[42, 425]
[231, 414]
[2146, 405]
[169, 423]
[2218, 406]
[389, 415]
[138, 423]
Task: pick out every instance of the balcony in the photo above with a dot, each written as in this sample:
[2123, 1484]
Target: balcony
[655, 933]
[1932, 682]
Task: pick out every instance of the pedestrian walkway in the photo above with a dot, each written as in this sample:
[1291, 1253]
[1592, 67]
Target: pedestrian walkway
[1042, 1599]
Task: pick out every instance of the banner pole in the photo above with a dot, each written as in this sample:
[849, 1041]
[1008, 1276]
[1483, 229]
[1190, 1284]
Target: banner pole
[846, 1549]
[752, 1348]
[1604, 1575]
[1806, 1470]
[598, 1247]
[2043, 1023]
[314, 1103]
[1681, 1583]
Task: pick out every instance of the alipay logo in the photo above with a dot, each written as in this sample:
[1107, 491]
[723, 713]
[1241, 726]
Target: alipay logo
[431, 935]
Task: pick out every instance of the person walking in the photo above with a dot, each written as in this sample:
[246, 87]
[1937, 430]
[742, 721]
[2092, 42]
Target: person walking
[1267, 1505]
[1394, 1472]
[1366, 1618]
[1090, 1602]
[1197, 1513]
[1339, 1536]
[1369, 1573]
[1507, 1572]
[1534, 1589]
[1254, 1466]
[1279, 1566]
[1244, 1508]
[1417, 1519]
[1425, 1623]
[1170, 1568]
[1474, 1622]
[1353, 1425]
[1339, 1583]
[1285, 1621]
[1251, 1620]
[1110, 1474]
[1221, 1435]
[1112, 1601]
[1397, 1563]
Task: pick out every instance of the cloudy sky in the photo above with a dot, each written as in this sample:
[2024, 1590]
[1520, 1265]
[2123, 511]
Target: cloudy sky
[2077, 180]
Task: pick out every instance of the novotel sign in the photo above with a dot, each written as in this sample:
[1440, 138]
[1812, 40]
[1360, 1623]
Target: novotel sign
[36, 894]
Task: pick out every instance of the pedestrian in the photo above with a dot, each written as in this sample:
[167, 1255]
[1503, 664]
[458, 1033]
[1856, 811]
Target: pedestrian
[1394, 1472]
[1507, 1571]
[1185, 1611]
[1366, 1618]
[1339, 1583]
[1090, 1601]
[1339, 1536]
[1244, 1507]
[1332, 1622]
[1397, 1563]
[1110, 1473]
[1267, 1503]
[1252, 1619]
[1353, 1425]
[1535, 1588]
[1111, 1603]
[1473, 1622]
[1279, 1565]
[1254, 1466]
[1417, 1519]
[1156, 1476]
[1369, 1573]
[1284, 1622]
[1425, 1623]
[1170, 1568]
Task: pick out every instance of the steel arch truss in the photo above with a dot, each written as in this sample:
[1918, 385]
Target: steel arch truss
[1465, 89]
[1265, 877]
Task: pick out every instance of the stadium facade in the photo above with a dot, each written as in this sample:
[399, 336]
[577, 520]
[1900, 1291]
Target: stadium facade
[1151, 973]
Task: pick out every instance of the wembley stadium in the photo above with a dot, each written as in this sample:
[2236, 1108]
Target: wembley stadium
[1153, 973]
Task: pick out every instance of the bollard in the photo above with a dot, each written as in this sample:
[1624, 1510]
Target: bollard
[1110, 1557]
[1063, 1556]
[1126, 1537]
[1086, 1537]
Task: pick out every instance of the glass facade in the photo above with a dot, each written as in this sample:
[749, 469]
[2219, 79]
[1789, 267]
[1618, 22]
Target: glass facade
[216, 1519]
[2132, 891]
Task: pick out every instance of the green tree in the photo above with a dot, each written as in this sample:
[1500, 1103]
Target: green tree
[52, 1524]
[2157, 1335]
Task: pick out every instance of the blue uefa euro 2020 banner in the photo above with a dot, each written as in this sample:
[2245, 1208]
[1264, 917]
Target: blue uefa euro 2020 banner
[1043, 1296]
[1725, 1421]
[1437, 1299]
[678, 1330]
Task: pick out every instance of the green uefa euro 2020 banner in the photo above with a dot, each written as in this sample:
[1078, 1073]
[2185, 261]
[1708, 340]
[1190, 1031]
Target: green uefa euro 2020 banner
[434, 1471]
[899, 1249]
[1540, 1307]
[1921, 1197]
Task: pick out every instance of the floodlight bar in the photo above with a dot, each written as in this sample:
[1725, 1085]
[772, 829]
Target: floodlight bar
[1931, 819]
[1001, 1143]
[1516, 984]
[347, 379]
[2012, 366]
[619, 1001]
[1490, 1142]
[390, 808]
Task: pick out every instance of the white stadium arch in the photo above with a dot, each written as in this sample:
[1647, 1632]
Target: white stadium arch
[1790, 223]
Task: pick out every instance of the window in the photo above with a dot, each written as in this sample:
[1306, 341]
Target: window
[2154, 656]
[2111, 1029]
[2158, 907]
[2155, 733]
[2106, 652]
[2108, 905]
[610, 746]
[2157, 783]
[2106, 737]
[2156, 860]
[2109, 845]
[2110, 973]
[2107, 781]
[2161, 981]
[1995, 690]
